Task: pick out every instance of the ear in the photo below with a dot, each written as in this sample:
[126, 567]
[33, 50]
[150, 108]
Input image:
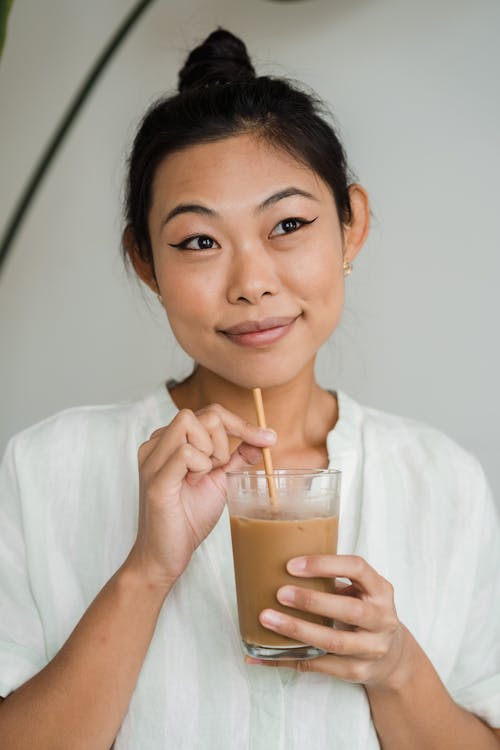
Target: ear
[356, 232]
[143, 268]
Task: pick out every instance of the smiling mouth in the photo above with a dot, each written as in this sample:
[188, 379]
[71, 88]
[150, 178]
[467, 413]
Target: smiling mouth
[259, 333]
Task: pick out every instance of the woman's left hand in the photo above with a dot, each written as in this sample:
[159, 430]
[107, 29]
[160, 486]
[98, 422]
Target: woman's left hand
[370, 651]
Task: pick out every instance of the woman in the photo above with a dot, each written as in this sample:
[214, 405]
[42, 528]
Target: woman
[241, 217]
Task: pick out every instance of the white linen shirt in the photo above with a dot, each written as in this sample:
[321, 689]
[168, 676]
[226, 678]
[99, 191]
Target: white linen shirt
[413, 504]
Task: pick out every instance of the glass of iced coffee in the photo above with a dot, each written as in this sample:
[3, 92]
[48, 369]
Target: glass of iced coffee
[301, 519]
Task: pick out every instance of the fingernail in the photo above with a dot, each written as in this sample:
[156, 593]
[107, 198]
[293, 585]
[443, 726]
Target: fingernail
[269, 617]
[296, 565]
[251, 660]
[268, 435]
[286, 595]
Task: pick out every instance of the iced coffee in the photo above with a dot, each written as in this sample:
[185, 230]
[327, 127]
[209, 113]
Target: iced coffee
[302, 520]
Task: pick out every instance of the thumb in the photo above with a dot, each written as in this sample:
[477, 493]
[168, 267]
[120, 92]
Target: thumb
[243, 457]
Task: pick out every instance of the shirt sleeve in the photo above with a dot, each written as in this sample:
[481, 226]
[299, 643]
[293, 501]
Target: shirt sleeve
[22, 649]
[475, 679]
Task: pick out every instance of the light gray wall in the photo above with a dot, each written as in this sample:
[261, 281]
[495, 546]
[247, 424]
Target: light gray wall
[414, 87]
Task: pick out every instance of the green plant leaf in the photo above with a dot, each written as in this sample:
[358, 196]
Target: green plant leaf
[5, 6]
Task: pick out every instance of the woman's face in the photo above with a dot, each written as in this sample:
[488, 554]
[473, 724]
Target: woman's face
[248, 252]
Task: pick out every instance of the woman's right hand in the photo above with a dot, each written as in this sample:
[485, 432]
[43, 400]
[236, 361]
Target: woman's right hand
[182, 486]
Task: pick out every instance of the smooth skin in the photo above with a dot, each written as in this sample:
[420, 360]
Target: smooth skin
[250, 268]
[78, 701]
[244, 256]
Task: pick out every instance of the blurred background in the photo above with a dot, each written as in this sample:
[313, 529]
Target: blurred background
[414, 90]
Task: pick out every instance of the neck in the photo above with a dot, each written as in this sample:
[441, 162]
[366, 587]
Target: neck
[300, 411]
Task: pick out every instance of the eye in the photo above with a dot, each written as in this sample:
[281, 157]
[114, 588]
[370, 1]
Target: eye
[290, 225]
[198, 242]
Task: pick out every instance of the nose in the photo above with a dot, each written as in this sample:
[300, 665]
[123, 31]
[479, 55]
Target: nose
[252, 276]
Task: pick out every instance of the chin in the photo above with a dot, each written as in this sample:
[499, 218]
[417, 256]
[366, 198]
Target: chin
[264, 374]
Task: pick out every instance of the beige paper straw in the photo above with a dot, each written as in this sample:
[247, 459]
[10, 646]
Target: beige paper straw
[266, 453]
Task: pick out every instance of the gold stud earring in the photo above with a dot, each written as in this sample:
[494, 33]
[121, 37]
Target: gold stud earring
[347, 268]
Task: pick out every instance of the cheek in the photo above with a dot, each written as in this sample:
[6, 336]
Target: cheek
[318, 278]
[191, 304]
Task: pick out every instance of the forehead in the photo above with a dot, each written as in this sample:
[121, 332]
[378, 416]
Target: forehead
[234, 172]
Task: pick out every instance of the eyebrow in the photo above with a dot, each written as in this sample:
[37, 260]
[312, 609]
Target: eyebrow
[194, 208]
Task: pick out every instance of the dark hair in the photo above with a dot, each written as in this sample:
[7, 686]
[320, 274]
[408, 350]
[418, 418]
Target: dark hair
[220, 96]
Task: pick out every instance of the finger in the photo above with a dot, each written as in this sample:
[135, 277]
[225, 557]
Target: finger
[344, 668]
[185, 459]
[347, 609]
[145, 450]
[344, 587]
[243, 457]
[218, 435]
[158, 433]
[347, 566]
[237, 427]
[184, 428]
[361, 644]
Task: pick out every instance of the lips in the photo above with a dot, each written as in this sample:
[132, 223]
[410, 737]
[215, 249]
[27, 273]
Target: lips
[249, 326]
[259, 332]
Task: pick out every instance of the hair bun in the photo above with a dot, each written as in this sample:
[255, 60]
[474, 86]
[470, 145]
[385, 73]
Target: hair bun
[221, 58]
